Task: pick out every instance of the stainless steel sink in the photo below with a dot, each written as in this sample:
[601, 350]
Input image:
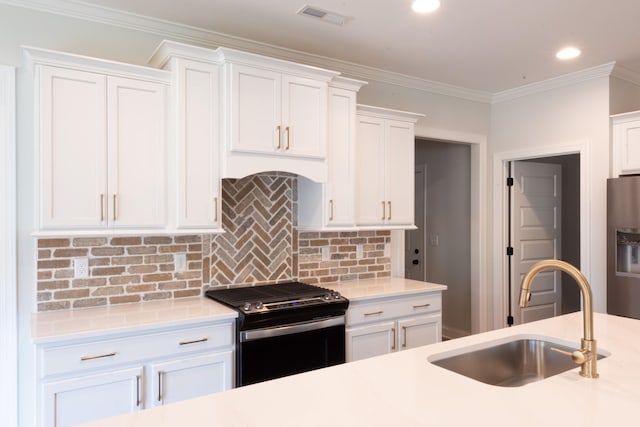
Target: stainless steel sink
[509, 364]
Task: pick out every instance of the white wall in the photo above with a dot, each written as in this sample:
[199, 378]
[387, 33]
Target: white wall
[624, 96]
[549, 122]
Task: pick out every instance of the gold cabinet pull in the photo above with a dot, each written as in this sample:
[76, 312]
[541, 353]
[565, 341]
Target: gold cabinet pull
[138, 400]
[421, 306]
[102, 207]
[383, 211]
[374, 313]
[115, 207]
[85, 358]
[389, 203]
[160, 381]
[279, 146]
[331, 210]
[404, 337]
[194, 341]
[393, 343]
[215, 209]
[288, 138]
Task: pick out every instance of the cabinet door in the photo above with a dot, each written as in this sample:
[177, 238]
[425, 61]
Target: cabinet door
[88, 398]
[399, 174]
[72, 123]
[370, 171]
[417, 331]
[193, 377]
[304, 117]
[627, 137]
[197, 134]
[371, 340]
[255, 110]
[341, 148]
[137, 145]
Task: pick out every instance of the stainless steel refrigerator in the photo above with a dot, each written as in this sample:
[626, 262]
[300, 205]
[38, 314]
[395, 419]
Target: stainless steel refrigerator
[623, 246]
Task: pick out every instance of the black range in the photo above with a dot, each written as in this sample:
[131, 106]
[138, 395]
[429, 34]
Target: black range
[284, 329]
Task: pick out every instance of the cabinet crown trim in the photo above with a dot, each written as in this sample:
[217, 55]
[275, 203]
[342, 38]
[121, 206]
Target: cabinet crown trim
[33, 56]
[388, 113]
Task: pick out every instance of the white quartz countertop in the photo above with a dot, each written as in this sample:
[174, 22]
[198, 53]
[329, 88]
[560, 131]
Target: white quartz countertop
[373, 288]
[405, 389]
[52, 326]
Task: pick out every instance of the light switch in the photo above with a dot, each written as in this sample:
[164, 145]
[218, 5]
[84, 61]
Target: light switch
[180, 261]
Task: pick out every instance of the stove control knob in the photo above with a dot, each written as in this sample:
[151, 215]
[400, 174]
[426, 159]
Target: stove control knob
[258, 305]
[327, 297]
[337, 295]
[246, 306]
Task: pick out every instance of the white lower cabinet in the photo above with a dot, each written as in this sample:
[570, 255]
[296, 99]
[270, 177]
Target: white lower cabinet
[392, 324]
[86, 398]
[183, 379]
[88, 379]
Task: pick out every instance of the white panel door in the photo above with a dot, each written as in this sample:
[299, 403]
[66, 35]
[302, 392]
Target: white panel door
[371, 340]
[417, 331]
[400, 172]
[370, 171]
[304, 117]
[73, 147]
[255, 110]
[197, 134]
[536, 216]
[92, 397]
[137, 159]
[193, 377]
[341, 147]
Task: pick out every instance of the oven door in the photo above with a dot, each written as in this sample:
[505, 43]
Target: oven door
[269, 353]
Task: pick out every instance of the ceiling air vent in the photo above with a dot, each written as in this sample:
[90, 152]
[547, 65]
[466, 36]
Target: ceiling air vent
[323, 15]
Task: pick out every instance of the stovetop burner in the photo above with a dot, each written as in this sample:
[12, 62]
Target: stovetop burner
[280, 303]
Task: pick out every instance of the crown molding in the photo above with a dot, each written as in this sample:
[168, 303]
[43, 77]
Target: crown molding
[189, 34]
[626, 74]
[603, 70]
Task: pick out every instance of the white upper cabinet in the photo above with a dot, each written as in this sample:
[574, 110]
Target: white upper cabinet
[71, 122]
[385, 168]
[331, 206]
[100, 144]
[274, 116]
[278, 114]
[626, 143]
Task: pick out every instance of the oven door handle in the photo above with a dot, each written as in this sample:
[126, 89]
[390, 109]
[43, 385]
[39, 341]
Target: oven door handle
[294, 328]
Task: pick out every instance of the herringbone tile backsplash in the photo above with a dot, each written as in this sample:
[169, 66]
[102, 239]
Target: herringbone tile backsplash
[261, 244]
[258, 219]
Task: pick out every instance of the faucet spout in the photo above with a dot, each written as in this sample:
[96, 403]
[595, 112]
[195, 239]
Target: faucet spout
[588, 365]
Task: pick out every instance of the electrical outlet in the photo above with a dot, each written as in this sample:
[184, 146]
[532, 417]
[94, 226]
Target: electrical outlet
[359, 251]
[434, 240]
[180, 261]
[387, 250]
[81, 268]
[325, 253]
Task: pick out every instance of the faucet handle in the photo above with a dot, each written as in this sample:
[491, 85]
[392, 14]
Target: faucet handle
[578, 356]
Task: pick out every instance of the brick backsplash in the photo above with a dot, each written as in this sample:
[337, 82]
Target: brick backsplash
[261, 244]
[343, 263]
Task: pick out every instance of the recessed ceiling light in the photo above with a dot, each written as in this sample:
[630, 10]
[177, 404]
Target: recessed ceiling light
[568, 53]
[425, 6]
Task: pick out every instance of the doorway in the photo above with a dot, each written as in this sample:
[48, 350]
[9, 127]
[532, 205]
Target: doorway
[439, 251]
[544, 223]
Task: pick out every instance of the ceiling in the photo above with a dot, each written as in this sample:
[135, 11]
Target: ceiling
[488, 45]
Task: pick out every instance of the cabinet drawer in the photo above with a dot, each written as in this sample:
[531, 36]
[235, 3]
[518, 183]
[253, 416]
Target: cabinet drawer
[393, 308]
[107, 353]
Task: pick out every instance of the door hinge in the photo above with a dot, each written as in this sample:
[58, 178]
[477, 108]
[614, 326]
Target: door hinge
[510, 181]
[509, 250]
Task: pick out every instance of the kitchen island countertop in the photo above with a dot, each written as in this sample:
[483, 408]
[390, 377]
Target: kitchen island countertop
[405, 389]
